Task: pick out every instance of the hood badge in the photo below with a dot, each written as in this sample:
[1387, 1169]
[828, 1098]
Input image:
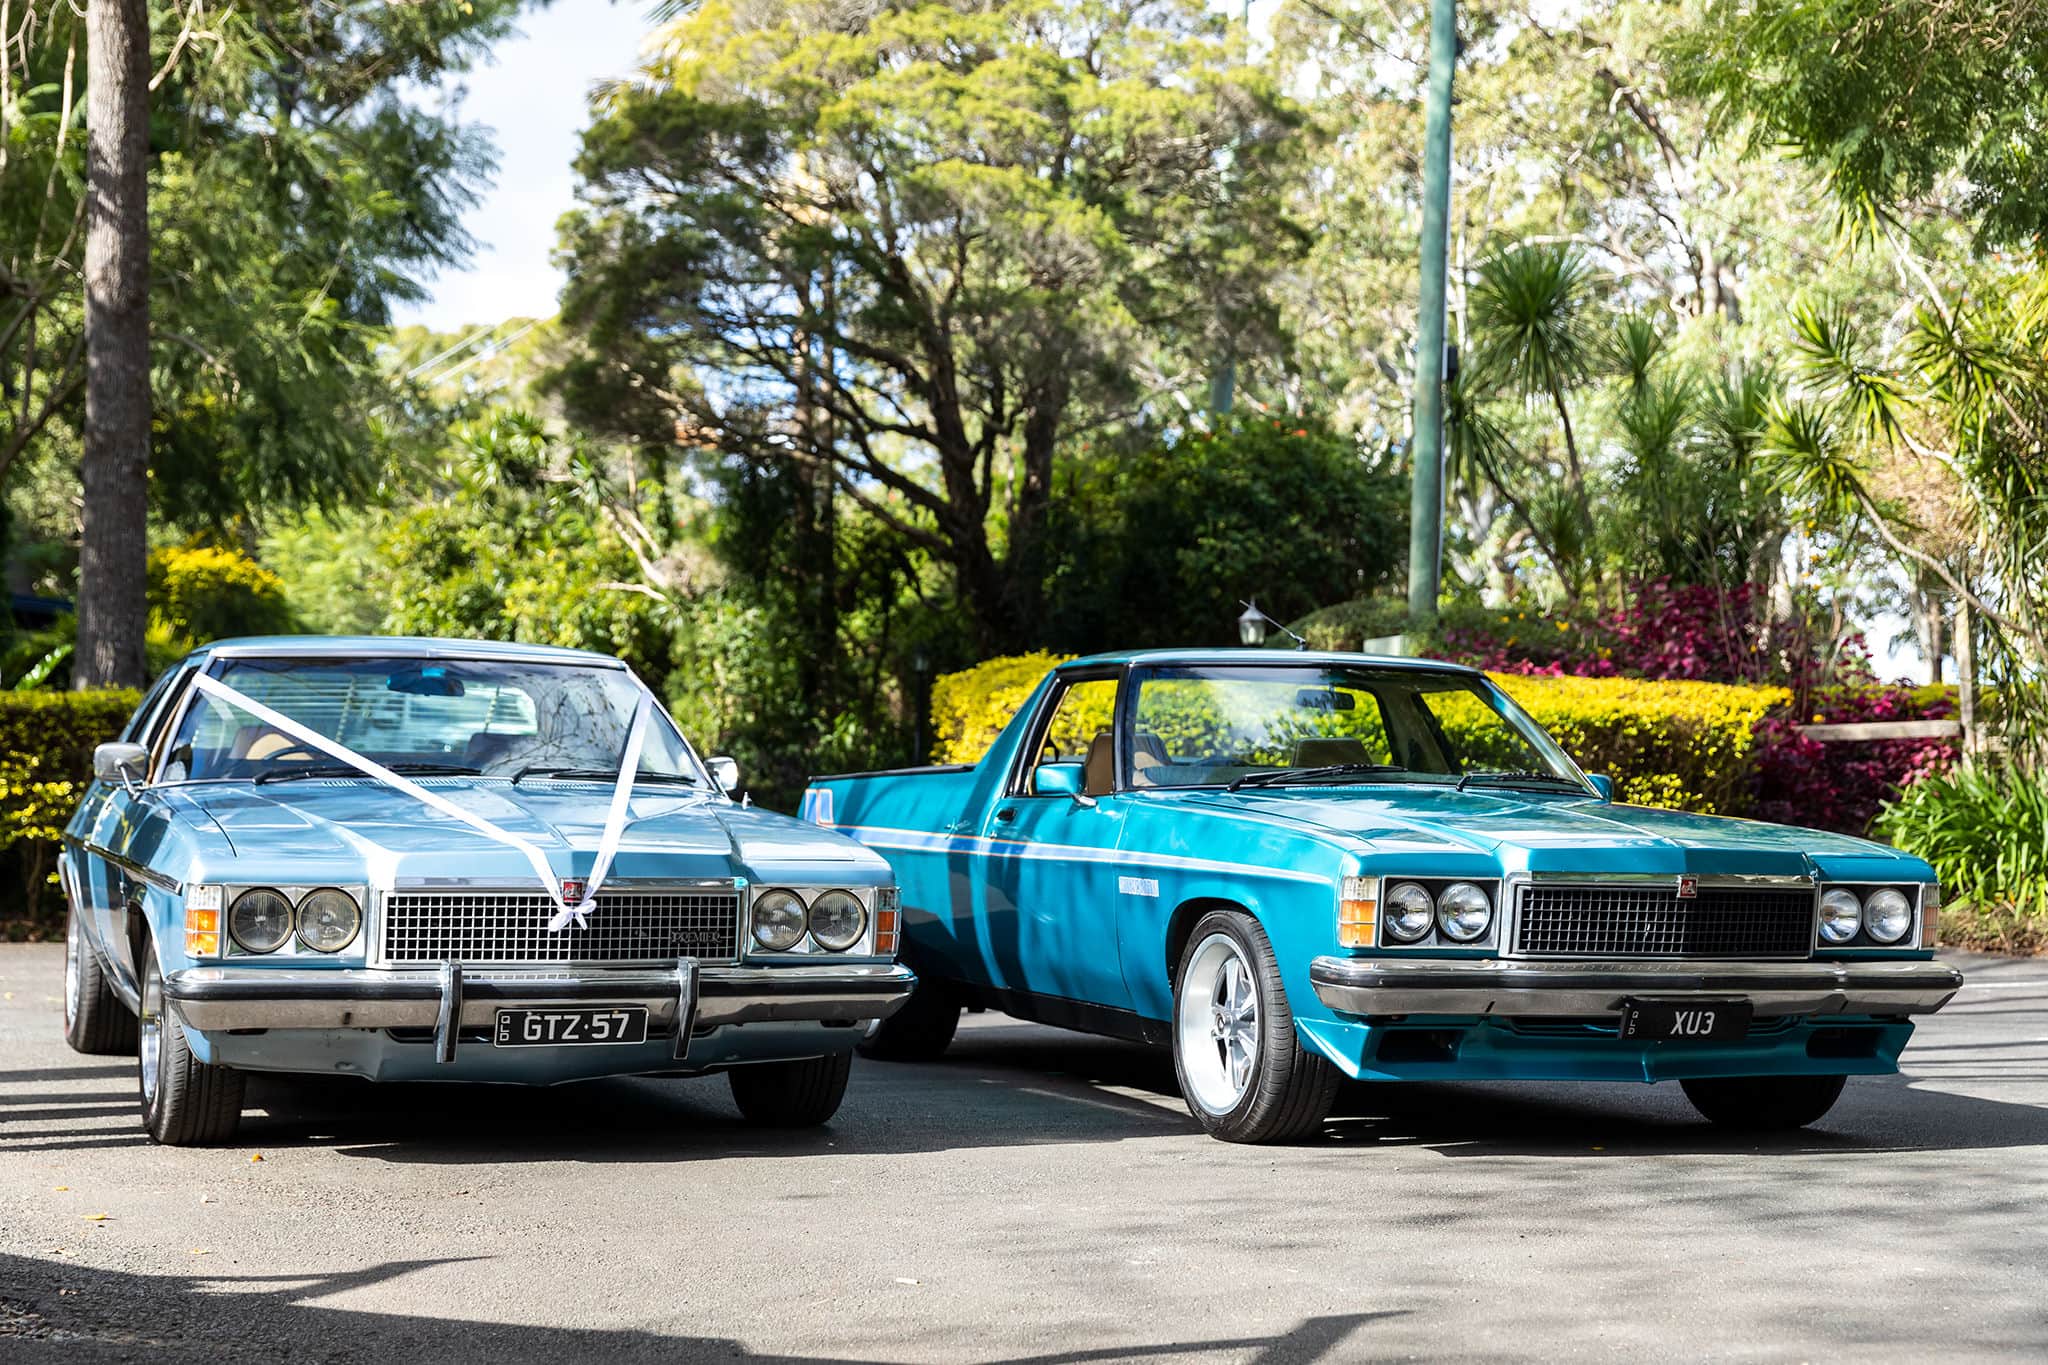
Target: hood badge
[1688, 888]
[572, 890]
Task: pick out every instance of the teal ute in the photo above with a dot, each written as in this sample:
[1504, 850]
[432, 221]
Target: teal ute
[1299, 868]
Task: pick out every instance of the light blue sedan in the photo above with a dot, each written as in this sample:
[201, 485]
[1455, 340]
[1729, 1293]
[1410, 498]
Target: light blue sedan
[419, 860]
[1297, 868]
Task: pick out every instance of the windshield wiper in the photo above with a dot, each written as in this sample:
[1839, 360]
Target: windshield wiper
[603, 775]
[350, 770]
[1329, 771]
[1519, 778]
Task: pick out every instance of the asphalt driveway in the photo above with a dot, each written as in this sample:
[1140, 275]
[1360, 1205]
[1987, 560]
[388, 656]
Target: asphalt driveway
[1037, 1196]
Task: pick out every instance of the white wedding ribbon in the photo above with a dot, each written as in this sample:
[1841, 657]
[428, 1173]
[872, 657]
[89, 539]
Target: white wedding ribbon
[608, 843]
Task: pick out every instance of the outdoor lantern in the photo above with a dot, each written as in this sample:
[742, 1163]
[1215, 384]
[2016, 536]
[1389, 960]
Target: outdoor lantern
[1251, 627]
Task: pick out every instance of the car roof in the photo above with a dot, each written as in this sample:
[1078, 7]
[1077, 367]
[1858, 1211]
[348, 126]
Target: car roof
[394, 646]
[1272, 656]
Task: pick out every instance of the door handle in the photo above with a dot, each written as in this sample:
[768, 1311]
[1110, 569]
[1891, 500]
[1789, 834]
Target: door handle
[1007, 814]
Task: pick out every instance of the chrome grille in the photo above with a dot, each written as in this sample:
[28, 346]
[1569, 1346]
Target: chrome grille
[1654, 921]
[497, 926]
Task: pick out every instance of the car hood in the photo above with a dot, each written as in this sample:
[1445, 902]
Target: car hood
[1527, 831]
[668, 832]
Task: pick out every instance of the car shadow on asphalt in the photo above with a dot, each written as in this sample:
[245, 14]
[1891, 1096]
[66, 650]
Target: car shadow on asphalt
[1002, 1084]
[70, 1312]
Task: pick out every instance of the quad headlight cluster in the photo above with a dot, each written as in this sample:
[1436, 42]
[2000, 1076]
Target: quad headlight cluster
[261, 920]
[1865, 916]
[823, 919]
[1457, 912]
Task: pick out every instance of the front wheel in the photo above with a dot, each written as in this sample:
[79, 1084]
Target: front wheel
[1764, 1103]
[791, 1094]
[185, 1102]
[1244, 1075]
[95, 1021]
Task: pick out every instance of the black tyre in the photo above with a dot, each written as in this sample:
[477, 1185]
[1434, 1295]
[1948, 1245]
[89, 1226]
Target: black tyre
[185, 1102]
[1765, 1103]
[95, 1021]
[1241, 1070]
[791, 1094]
[921, 1030]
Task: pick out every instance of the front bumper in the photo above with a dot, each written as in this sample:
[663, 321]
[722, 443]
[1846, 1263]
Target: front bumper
[1523, 989]
[679, 1000]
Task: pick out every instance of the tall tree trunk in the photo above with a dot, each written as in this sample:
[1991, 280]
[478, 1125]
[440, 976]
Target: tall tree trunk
[113, 588]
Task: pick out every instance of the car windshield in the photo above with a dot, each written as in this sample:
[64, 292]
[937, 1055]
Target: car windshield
[499, 718]
[1272, 725]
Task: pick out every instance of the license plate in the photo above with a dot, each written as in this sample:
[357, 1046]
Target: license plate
[572, 1027]
[1685, 1021]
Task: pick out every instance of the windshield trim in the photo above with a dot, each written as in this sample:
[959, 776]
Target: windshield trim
[1496, 696]
[210, 666]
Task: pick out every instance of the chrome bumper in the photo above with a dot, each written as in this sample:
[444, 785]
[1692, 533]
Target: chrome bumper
[1518, 989]
[679, 1000]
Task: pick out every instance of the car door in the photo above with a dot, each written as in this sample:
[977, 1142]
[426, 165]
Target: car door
[1050, 894]
[122, 828]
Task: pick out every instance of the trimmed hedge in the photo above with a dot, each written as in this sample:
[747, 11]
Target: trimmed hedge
[46, 744]
[1684, 745]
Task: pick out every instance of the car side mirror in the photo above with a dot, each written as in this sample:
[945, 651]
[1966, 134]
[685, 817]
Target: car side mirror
[1062, 779]
[1603, 784]
[127, 764]
[726, 771]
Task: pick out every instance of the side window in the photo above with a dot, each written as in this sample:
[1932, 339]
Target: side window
[147, 712]
[1079, 731]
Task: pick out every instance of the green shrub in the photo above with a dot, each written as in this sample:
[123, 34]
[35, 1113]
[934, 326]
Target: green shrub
[1985, 830]
[1681, 745]
[46, 744]
[202, 593]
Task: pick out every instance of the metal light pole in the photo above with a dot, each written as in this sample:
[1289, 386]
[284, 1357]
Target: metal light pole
[1426, 496]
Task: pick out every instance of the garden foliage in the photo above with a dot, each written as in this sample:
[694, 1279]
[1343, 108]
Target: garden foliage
[46, 744]
[1985, 829]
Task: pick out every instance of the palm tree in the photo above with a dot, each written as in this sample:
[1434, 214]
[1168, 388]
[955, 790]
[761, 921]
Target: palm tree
[1530, 327]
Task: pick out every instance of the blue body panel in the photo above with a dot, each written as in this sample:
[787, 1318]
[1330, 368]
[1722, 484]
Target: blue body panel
[1076, 914]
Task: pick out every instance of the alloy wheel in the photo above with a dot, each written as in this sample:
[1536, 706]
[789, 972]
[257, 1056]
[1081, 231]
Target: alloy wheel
[1218, 1022]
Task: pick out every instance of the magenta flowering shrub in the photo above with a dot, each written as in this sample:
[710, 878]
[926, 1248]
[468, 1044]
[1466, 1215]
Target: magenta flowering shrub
[1837, 785]
[1694, 632]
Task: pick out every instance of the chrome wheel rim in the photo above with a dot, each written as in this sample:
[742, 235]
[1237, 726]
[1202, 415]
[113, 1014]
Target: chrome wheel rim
[74, 970]
[1217, 1025]
[149, 1027]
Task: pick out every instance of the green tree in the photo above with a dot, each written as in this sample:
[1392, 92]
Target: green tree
[1291, 515]
[293, 196]
[911, 249]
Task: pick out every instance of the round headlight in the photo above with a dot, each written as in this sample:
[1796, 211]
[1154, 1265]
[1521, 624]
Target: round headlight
[1463, 912]
[837, 920]
[1409, 912]
[1840, 914]
[778, 920]
[1887, 916]
[328, 920]
[260, 921]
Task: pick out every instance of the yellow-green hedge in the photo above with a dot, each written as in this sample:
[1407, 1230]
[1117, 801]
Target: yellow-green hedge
[46, 744]
[1683, 745]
